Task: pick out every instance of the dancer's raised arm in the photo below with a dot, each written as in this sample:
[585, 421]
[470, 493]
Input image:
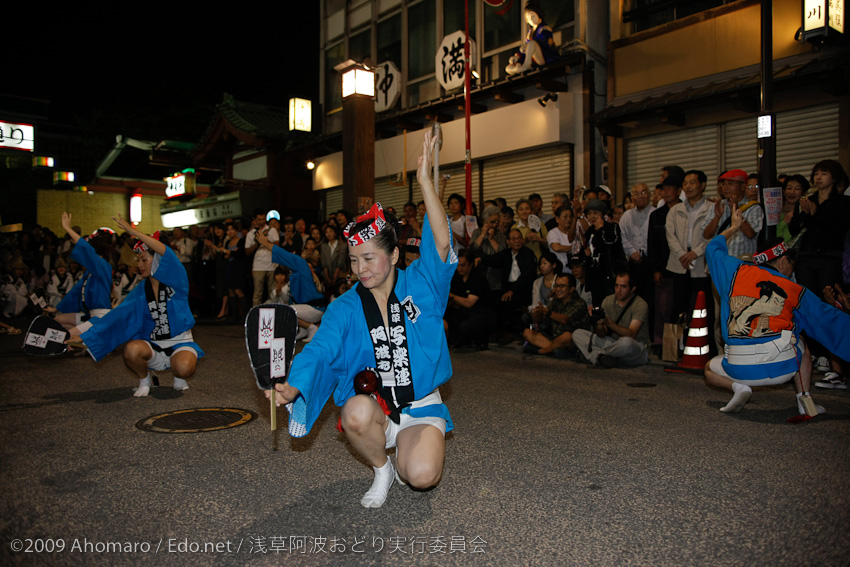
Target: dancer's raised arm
[152, 243]
[433, 205]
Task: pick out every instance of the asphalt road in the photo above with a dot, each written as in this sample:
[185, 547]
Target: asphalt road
[551, 463]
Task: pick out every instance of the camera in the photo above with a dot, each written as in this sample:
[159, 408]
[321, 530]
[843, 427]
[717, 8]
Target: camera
[596, 314]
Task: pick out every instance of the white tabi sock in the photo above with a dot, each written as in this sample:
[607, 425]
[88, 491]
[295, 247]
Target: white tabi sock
[741, 397]
[311, 330]
[377, 494]
[180, 384]
[144, 387]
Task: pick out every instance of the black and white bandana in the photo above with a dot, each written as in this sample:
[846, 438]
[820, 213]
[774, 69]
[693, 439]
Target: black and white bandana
[159, 311]
[392, 359]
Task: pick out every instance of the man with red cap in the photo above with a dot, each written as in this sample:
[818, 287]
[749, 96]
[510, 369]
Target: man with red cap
[743, 243]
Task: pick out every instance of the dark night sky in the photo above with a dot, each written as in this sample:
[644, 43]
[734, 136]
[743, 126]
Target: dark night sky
[139, 65]
[146, 73]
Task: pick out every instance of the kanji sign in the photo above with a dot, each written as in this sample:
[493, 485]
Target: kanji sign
[387, 86]
[450, 60]
[17, 136]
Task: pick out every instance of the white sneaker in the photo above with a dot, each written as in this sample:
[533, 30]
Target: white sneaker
[822, 364]
[833, 381]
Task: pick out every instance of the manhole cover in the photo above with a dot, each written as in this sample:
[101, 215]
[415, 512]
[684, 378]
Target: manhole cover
[196, 420]
[641, 385]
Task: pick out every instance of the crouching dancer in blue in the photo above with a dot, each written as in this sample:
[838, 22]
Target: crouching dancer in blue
[309, 304]
[391, 321]
[91, 296]
[762, 315]
[155, 318]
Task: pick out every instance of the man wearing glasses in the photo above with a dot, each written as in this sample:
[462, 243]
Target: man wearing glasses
[733, 184]
[565, 313]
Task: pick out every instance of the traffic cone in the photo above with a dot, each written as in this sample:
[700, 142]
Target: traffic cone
[696, 346]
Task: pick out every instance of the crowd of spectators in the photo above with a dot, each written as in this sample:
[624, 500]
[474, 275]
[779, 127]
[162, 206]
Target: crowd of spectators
[636, 266]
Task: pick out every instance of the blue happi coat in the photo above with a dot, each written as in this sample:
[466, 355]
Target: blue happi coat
[740, 286]
[301, 285]
[132, 318]
[97, 282]
[342, 347]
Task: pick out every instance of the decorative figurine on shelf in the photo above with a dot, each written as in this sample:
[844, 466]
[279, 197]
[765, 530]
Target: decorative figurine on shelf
[539, 47]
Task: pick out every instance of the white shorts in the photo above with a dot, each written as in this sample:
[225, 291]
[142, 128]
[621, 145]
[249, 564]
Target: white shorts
[161, 361]
[406, 421]
[716, 366]
[308, 313]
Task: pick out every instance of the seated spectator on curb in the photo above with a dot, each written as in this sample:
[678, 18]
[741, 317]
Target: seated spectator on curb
[564, 313]
[411, 250]
[549, 266]
[506, 220]
[603, 251]
[486, 241]
[519, 270]
[620, 337]
[531, 228]
[279, 292]
[468, 318]
[561, 237]
[579, 271]
[558, 200]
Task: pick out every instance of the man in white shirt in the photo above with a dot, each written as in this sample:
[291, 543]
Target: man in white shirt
[263, 267]
[183, 247]
[687, 247]
[634, 226]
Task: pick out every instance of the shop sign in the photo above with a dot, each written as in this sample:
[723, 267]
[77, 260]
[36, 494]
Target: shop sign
[387, 86]
[450, 60]
[17, 136]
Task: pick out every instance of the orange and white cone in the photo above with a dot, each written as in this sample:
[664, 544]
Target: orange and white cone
[696, 346]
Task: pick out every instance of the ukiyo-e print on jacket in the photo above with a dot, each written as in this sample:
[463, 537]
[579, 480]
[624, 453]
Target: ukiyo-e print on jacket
[759, 306]
[343, 345]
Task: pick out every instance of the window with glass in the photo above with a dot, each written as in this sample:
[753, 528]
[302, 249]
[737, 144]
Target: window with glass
[334, 55]
[557, 13]
[360, 46]
[422, 39]
[389, 40]
[453, 17]
[646, 14]
[501, 26]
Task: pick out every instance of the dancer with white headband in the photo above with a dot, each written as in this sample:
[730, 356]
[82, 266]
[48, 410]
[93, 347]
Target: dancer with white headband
[155, 318]
[392, 322]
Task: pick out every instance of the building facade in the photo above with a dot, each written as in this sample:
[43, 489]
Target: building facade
[519, 145]
[684, 89]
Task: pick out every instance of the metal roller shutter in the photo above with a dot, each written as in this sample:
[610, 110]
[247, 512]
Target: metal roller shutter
[695, 148]
[741, 146]
[333, 200]
[390, 194]
[456, 183]
[803, 138]
[513, 177]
